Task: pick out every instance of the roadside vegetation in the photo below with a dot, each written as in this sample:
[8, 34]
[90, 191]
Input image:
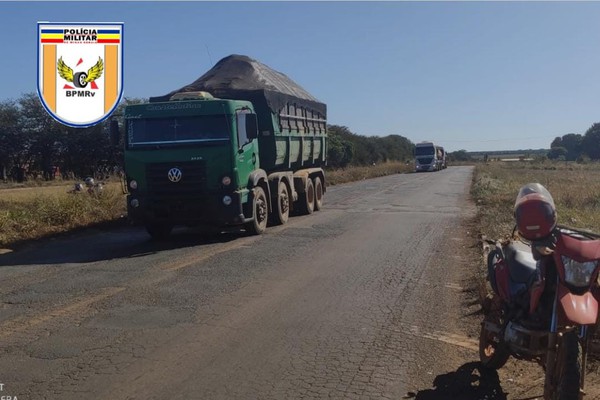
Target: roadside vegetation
[358, 173]
[32, 213]
[575, 188]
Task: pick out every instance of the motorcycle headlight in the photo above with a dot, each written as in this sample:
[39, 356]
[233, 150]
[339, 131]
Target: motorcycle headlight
[577, 273]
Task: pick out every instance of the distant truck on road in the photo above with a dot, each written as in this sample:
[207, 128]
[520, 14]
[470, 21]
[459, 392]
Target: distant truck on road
[240, 146]
[429, 157]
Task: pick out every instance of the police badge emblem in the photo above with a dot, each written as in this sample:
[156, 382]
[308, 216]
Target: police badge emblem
[80, 70]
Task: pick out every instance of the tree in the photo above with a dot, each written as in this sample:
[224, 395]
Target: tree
[572, 142]
[44, 135]
[459, 155]
[557, 153]
[339, 151]
[33, 143]
[591, 141]
[11, 140]
[366, 150]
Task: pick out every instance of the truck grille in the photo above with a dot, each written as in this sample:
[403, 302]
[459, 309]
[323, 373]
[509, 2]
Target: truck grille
[192, 182]
[425, 161]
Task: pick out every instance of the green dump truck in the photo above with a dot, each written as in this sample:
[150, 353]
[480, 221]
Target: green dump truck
[243, 145]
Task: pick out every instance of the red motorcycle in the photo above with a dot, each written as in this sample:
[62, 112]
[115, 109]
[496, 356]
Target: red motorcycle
[544, 305]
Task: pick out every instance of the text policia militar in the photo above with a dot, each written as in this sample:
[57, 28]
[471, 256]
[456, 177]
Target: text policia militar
[81, 34]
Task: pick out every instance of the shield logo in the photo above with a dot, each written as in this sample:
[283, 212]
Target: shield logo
[174, 175]
[80, 70]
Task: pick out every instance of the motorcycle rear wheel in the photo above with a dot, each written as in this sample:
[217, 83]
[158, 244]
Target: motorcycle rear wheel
[493, 354]
[568, 369]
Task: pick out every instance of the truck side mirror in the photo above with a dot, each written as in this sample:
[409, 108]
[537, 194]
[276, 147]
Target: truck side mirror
[251, 126]
[115, 134]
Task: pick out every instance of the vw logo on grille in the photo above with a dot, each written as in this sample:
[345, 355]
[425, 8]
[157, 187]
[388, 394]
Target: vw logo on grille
[174, 175]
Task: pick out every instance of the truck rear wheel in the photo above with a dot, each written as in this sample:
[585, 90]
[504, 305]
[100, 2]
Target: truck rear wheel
[281, 213]
[318, 194]
[307, 200]
[260, 209]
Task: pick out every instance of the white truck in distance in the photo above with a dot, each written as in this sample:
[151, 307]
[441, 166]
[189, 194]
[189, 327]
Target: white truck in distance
[429, 157]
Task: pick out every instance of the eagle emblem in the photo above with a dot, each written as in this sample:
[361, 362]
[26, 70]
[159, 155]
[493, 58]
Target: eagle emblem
[80, 79]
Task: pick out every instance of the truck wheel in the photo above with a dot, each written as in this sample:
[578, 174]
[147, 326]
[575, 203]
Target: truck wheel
[318, 194]
[261, 212]
[282, 205]
[159, 231]
[307, 200]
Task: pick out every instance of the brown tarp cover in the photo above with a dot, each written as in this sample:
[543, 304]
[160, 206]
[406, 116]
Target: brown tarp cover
[243, 78]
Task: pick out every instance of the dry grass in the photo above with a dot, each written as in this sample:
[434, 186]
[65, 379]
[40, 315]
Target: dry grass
[26, 193]
[40, 212]
[574, 187]
[353, 174]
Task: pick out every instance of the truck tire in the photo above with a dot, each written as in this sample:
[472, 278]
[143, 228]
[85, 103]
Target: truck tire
[159, 231]
[260, 212]
[281, 213]
[307, 199]
[79, 80]
[318, 194]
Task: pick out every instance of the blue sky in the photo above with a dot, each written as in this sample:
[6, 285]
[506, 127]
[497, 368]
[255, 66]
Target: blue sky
[469, 75]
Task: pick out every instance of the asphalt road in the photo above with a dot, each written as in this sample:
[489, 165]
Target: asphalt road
[364, 299]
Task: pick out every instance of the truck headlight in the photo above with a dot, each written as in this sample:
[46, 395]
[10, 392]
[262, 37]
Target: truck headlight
[577, 273]
[226, 200]
[226, 181]
[135, 203]
[133, 184]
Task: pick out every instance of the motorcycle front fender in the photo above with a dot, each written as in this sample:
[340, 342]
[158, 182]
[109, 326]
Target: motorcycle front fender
[582, 310]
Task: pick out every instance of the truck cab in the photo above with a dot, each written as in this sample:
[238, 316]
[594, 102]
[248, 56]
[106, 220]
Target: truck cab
[426, 157]
[188, 161]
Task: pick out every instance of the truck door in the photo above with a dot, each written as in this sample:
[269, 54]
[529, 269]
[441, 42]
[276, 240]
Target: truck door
[247, 155]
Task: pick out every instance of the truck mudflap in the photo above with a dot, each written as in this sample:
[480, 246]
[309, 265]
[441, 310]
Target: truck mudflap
[213, 209]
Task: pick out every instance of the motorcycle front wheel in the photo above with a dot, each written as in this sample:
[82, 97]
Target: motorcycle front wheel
[493, 354]
[568, 369]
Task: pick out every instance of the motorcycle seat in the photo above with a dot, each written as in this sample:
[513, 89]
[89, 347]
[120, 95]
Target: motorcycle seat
[520, 261]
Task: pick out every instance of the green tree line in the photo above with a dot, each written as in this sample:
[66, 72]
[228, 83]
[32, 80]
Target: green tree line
[348, 148]
[577, 147]
[33, 144]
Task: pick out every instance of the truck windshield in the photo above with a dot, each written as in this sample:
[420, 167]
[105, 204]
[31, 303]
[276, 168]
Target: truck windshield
[156, 131]
[424, 151]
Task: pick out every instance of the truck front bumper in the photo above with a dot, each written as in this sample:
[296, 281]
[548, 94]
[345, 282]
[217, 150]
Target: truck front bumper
[212, 209]
[424, 167]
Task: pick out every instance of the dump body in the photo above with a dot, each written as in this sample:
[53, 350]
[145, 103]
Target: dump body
[292, 123]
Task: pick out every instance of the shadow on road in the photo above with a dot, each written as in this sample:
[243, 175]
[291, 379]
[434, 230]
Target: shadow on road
[126, 242]
[470, 381]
